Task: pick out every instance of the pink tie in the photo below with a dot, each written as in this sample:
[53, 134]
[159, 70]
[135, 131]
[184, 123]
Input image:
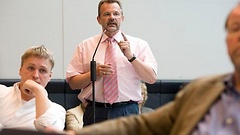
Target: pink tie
[110, 84]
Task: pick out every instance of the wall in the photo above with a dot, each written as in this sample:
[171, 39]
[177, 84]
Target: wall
[187, 37]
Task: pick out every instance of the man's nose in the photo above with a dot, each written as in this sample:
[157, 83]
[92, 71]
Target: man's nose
[112, 16]
[35, 74]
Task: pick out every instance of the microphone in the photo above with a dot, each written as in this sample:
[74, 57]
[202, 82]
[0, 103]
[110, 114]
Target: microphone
[93, 62]
[98, 44]
[94, 75]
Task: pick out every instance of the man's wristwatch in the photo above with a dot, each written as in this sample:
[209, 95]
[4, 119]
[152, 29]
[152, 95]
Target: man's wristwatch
[132, 59]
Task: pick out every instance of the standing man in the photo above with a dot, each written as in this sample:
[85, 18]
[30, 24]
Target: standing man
[133, 62]
[206, 106]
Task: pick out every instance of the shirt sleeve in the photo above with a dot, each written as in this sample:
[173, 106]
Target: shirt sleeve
[146, 55]
[75, 65]
[53, 117]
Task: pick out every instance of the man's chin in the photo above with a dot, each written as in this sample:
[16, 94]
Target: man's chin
[112, 29]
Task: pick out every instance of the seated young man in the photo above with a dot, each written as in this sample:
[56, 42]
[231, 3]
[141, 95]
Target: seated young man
[26, 104]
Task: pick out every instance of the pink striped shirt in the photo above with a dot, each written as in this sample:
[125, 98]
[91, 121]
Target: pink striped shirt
[128, 80]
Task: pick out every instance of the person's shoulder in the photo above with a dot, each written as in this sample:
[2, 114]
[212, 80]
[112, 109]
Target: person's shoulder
[133, 38]
[74, 109]
[2, 86]
[146, 109]
[16, 84]
[75, 112]
[137, 42]
[57, 106]
[201, 84]
[200, 87]
[5, 89]
[92, 38]
[211, 78]
[92, 41]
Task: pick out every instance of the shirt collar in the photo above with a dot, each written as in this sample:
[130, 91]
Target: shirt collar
[228, 81]
[229, 84]
[118, 37]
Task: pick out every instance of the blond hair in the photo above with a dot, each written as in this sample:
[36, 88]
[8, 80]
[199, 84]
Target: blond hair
[144, 92]
[38, 51]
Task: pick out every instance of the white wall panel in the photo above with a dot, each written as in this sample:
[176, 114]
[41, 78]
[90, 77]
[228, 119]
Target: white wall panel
[25, 23]
[187, 37]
